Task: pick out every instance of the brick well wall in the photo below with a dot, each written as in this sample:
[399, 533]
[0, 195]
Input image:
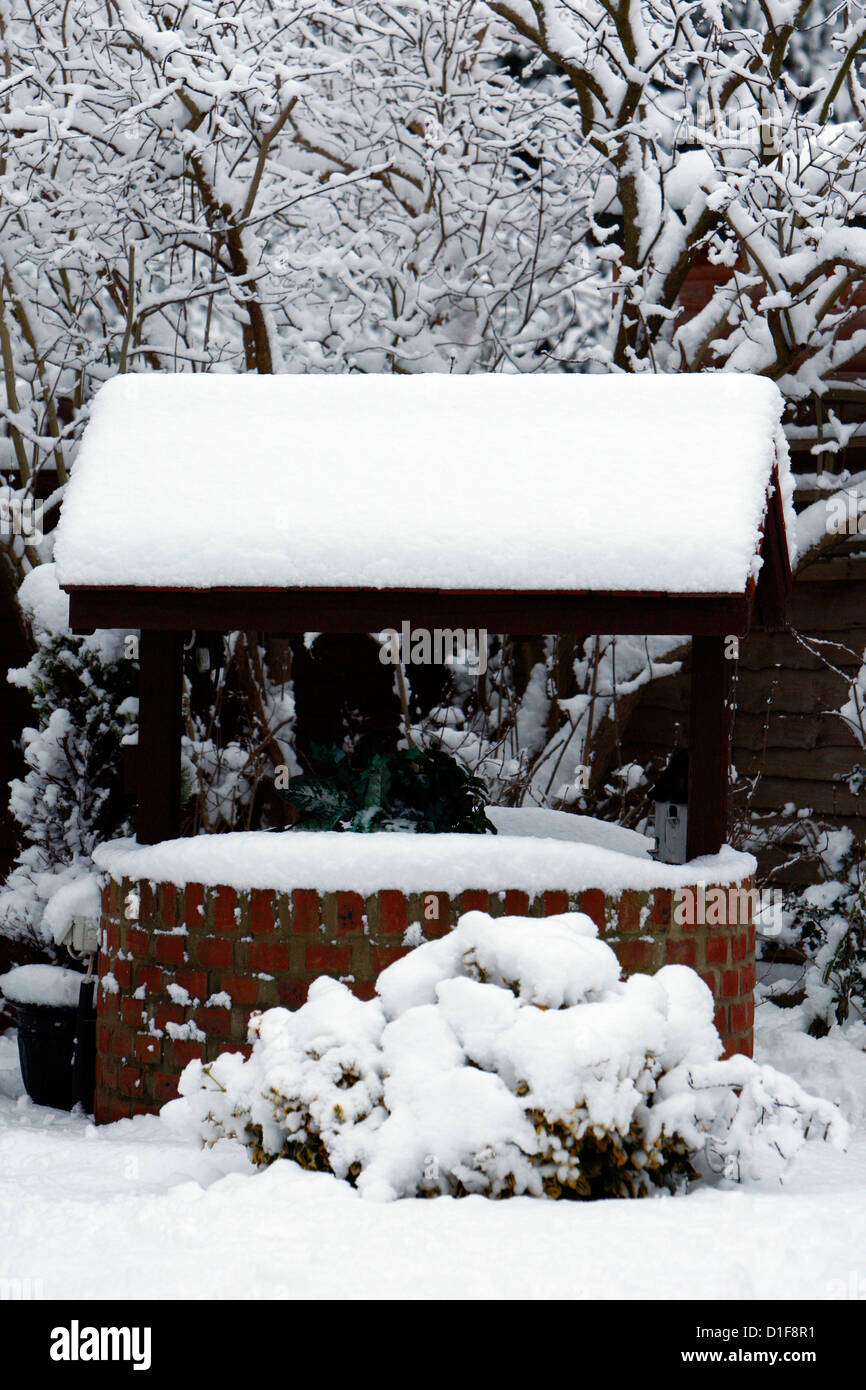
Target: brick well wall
[182, 969]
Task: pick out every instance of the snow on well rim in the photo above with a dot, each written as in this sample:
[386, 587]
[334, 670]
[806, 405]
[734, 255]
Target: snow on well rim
[608, 482]
[332, 862]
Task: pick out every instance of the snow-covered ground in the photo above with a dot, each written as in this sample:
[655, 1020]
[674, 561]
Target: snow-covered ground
[132, 1211]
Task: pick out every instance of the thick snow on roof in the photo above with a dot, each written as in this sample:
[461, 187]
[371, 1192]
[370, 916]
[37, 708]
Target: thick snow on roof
[471, 482]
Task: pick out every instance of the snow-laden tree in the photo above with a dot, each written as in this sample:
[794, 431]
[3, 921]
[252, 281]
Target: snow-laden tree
[269, 188]
[705, 139]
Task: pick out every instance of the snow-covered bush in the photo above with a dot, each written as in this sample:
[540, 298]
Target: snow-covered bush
[507, 1057]
[83, 695]
[825, 924]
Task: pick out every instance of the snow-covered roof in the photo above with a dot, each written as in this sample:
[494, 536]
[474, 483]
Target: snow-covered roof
[562, 482]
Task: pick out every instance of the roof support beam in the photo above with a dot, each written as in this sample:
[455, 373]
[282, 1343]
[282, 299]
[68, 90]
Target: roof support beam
[160, 727]
[709, 747]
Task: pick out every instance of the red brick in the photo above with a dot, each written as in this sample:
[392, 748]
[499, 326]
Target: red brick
[193, 906]
[147, 902]
[164, 1086]
[194, 982]
[474, 900]
[750, 1014]
[224, 903]
[185, 1050]
[147, 1048]
[392, 912]
[107, 1073]
[592, 903]
[293, 993]
[747, 979]
[115, 898]
[662, 908]
[434, 927]
[136, 941]
[244, 989]
[635, 955]
[106, 899]
[629, 910]
[130, 1081]
[717, 950]
[740, 946]
[516, 903]
[168, 904]
[750, 934]
[121, 1043]
[720, 1019]
[383, 956]
[364, 989]
[305, 911]
[555, 903]
[171, 950]
[111, 934]
[215, 954]
[103, 1038]
[709, 980]
[122, 972]
[262, 912]
[739, 1018]
[109, 1004]
[350, 914]
[148, 975]
[142, 1107]
[109, 1109]
[327, 960]
[131, 1011]
[730, 983]
[217, 1023]
[682, 953]
[270, 958]
[167, 1013]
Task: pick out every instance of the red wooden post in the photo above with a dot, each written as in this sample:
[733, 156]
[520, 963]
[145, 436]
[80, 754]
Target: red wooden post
[709, 747]
[160, 725]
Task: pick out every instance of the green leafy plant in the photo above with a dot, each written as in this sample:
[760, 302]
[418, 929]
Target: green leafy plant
[422, 790]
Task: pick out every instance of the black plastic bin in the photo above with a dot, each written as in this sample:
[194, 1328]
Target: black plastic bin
[57, 1051]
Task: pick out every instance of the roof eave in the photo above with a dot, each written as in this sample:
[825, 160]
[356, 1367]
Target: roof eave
[371, 610]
